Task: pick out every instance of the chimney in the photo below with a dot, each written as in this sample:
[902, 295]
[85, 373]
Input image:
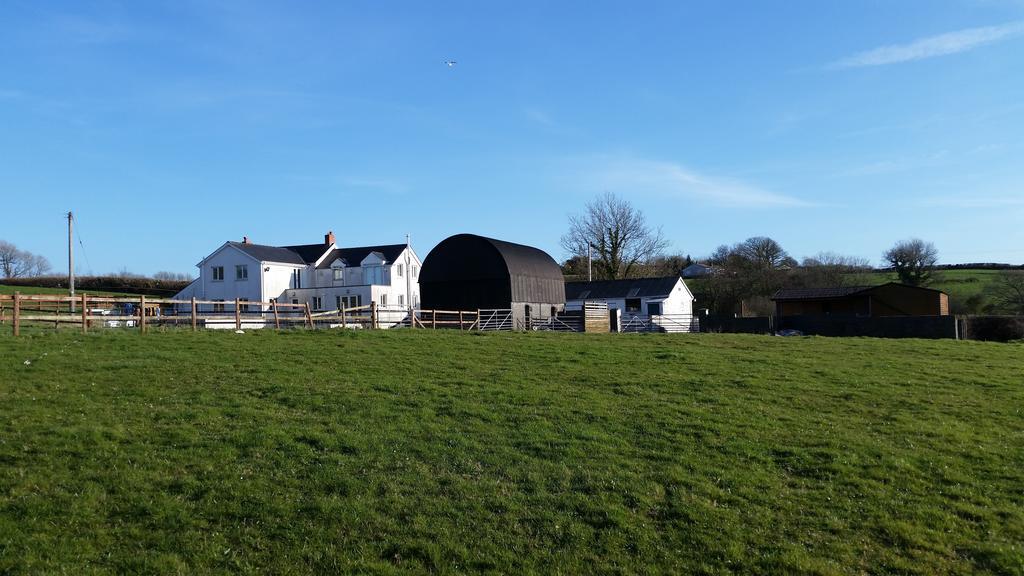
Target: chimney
[329, 238]
[245, 240]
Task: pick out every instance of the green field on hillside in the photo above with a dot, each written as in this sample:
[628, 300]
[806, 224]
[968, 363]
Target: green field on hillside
[5, 289]
[420, 451]
[958, 283]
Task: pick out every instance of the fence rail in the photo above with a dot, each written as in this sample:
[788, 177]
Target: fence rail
[672, 323]
[96, 312]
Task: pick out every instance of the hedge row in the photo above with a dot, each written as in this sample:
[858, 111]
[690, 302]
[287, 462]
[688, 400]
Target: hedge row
[128, 285]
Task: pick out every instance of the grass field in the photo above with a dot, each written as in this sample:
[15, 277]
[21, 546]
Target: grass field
[421, 451]
[4, 289]
[957, 283]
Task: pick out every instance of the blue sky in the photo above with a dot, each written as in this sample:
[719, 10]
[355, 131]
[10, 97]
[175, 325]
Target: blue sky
[170, 127]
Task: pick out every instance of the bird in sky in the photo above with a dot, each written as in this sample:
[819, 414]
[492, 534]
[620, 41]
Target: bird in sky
[450, 63]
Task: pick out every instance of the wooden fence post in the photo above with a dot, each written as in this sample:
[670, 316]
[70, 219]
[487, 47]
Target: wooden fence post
[238, 315]
[309, 317]
[479, 321]
[194, 320]
[433, 319]
[85, 315]
[460, 320]
[277, 319]
[142, 313]
[17, 313]
[373, 314]
[344, 322]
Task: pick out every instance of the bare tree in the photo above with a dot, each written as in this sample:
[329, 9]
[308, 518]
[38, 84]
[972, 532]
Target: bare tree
[1008, 291]
[38, 265]
[913, 260]
[762, 252]
[619, 235]
[15, 263]
[827, 269]
[175, 276]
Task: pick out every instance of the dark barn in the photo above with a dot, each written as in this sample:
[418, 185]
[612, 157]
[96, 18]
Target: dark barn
[892, 299]
[470, 272]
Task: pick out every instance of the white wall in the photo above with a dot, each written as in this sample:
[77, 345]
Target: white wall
[393, 287]
[228, 289]
[678, 302]
[277, 279]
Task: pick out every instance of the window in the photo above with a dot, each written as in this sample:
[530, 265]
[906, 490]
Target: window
[373, 275]
[654, 308]
[351, 301]
[337, 302]
[400, 270]
[245, 307]
[218, 273]
[296, 279]
[401, 300]
[315, 302]
[632, 304]
[384, 300]
[415, 270]
[295, 300]
[339, 274]
[241, 272]
[219, 307]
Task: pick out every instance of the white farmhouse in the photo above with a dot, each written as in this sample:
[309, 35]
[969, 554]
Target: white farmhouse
[667, 302]
[325, 276]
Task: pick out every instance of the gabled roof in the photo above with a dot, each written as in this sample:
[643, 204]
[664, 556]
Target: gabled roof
[353, 256]
[837, 291]
[629, 288]
[270, 253]
[818, 293]
[309, 253]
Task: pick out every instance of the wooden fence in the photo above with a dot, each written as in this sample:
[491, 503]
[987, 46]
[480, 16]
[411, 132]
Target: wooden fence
[95, 312]
[89, 312]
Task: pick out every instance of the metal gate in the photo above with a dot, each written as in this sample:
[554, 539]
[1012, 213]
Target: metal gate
[496, 320]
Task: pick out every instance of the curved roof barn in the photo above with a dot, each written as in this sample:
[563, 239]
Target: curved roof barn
[466, 272]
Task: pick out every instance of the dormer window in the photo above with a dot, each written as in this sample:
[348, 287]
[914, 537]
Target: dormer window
[338, 270]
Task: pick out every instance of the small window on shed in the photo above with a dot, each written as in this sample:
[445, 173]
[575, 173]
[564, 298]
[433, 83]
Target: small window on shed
[632, 304]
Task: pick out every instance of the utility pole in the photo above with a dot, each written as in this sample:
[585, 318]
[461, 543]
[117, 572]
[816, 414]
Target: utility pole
[408, 277]
[71, 260]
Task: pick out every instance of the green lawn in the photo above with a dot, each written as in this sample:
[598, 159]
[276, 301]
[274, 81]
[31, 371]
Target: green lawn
[419, 451]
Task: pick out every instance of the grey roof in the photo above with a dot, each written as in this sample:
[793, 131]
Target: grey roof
[628, 288]
[270, 253]
[818, 293]
[309, 253]
[353, 256]
[836, 291]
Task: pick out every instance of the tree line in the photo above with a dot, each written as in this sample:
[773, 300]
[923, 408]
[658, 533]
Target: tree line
[615, 236]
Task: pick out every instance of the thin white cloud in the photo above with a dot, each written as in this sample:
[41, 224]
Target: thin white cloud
[383, 185]
[539, 116]
[932, 46]
[969, 201]
[629, 175]
[83, 30]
